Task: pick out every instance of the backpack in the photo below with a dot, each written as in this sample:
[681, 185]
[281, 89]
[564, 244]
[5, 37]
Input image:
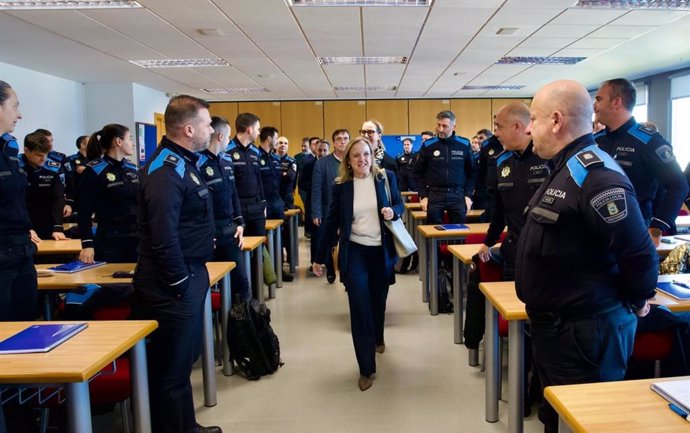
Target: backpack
[445, 287]
[253, 345]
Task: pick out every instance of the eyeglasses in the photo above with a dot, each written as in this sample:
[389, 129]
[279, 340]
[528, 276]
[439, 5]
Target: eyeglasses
[369, 132]
[282, 142]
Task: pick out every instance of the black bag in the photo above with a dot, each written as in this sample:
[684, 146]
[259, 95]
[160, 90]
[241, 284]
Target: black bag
[253, 345]
[407, 264]
[445, 289]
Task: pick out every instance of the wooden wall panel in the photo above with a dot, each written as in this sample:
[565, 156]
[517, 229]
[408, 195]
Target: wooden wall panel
[343, 114]
[227, 110]
[393, 114]
[497, 103]
[423, 113]
[268, 112]
[471, 116]
[301, 119]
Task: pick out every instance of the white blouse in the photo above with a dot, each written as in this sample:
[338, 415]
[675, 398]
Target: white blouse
[366, 229]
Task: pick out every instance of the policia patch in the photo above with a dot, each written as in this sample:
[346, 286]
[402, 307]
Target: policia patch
[611, 205]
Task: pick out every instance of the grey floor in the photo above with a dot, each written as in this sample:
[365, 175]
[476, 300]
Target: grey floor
[423, 382]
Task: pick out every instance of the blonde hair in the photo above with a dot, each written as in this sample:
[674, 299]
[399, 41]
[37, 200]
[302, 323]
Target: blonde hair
[345, 170]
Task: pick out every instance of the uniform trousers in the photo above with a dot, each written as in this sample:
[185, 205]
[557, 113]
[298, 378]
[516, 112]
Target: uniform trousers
[228, 251]
[175, 345]
[451, 202]
[254, 217]
[593, 348]
[116, 246]
[18, 286]
[366, 281]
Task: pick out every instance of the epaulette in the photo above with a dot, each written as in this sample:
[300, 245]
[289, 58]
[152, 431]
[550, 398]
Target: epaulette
[97, 165]
[503, 156]
[51, 165]
[169, 158]
[254, 149]
[600, 134]
[225, 156]
[58, 156]
[641, 132]
[231, 146]
[462, 140]
[588, 158]
[130, 165]
[431, 141]
[201, 161]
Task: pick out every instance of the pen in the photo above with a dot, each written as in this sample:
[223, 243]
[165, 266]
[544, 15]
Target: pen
[681, 284]
[679, 411]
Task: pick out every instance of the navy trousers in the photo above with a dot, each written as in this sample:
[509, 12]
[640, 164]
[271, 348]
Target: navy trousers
[595, 348]
[451, 202]
[228, 251]
[366, 281]
[18, 285]
[174, 346]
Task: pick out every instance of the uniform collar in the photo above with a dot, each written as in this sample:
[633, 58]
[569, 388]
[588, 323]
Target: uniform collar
[529, 150]
[575, 146]
[210, 155]
[623, 128]
[114, 161]
[187, 155]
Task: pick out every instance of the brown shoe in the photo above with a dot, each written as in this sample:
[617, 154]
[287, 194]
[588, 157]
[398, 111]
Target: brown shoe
[365, 382]
[380, 348]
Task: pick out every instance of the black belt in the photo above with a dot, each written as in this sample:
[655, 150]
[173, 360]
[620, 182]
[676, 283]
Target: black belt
[454, 189]
[12, 240]
[572, 314]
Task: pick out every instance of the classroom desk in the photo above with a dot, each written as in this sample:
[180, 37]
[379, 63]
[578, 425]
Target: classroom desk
[462, 261]
[80, 358]
[628, 406]
[408, 193]
[217, 271]
[501, 298]
[665, 248]
[428, 260]
[249, 244]
[292, 216]
[275, 252]
[683, 221]
[409, 220]
[68, 246]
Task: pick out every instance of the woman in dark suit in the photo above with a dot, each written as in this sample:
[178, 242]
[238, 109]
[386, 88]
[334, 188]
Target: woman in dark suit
[367, 255]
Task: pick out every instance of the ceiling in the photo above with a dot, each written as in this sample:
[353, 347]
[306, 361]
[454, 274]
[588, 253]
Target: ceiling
[270, 45]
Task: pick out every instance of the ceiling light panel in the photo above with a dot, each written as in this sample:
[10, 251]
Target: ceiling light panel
[392, 3]
[179, 63]
[540, 60]
[239, 90]
[362, 60]
[68, 4]
[495, 87]
[635, 4]
[363, 88]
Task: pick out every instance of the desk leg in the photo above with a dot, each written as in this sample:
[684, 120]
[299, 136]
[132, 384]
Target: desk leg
[248, 267]
[491, 351]
[516, 367]
[79, 407]
[270, 236]
[562, 426]
[278, 258]
[207, 358]
[140, 388]
[432, 274]
[423, 266]
[225, 306]
[258, 281]
[458, 292]
[294, 245]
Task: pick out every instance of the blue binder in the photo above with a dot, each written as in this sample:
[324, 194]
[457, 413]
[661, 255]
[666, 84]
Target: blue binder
[675, 289]
[40, 338]
[450, 227]
[75, 266]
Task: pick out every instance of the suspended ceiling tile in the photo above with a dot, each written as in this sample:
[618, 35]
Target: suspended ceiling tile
[628, 32]
[546, 42]
[332, 31]
[649, 17]
[588, 16]
[387, 32]
[603, 43]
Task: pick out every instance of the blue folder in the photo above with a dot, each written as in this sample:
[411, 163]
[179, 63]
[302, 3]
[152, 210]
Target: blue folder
[40, 338]
[451, 227]
[76, 266]
[681, 292]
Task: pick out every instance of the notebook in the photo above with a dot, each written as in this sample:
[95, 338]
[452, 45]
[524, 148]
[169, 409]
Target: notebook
[76, 266]
[450, 227]
[675, 289]
[676, 392]
[40, 338]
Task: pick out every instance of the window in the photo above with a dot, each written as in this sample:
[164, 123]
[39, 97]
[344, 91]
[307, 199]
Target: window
[640, 110]
[680, 113]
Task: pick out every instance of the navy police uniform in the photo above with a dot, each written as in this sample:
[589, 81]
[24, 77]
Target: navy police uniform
[649, 162]
[288, 169]
[445, 173]
[110, 189]
[45, 197]
[77, 161]
[269, 167]
[584, 260]
[65, 174]
[245, 160]
[219, 175]
[404, 161]
[18, 287]
[175, 228]
[485, 191]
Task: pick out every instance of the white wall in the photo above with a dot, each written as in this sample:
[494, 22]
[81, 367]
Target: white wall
[47, 102]
[108, 103]
[146, 102]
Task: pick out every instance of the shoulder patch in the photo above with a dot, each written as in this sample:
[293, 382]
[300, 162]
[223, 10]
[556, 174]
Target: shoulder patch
[503, 156]
[611, 205]
[254, 149]
[225, 156]
[201, 161]
[462, 140]
[169, 158]
[231, 146]
[665, 153]
[129, 165]
[641, 134]
[599, 134]
[431, 141]
[97, 165]
[587, 158]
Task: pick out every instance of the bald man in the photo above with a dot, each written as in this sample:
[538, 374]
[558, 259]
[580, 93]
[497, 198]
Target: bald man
[585, 262]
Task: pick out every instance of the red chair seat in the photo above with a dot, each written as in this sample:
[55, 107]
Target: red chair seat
[120, 311]
[112, 387]
[215, 301]
[653, 346]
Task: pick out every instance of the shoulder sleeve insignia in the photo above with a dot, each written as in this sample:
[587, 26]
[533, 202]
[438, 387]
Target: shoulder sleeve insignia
[51, 163]
[611, 205]
[649, 131]
[665, 153]
[172, 159]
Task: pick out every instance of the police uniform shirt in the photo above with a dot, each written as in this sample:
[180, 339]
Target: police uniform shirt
[584, 245]
[269, 167]
[65, 174]
[14, 216]
[219, 174]
[444, 163]
[77, 160]
[404, 162]
[288, 170]
[245, 160]
[519, 176]
[648, 161]
[110, 189]
[175, 217]
[490, 150]
[45, 196]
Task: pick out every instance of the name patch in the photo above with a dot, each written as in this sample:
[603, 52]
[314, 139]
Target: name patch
[553, 192]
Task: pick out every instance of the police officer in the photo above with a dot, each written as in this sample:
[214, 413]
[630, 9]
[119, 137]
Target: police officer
[305, 170]
[45, 195]
[584, 262]
[288, 170]
[110, 190]
[245, 158]
[175, 227]
[77, 163]
[444, 172]
[485, 191]
[404, 161]
[216, 167]
[65, 171]
[643, 153]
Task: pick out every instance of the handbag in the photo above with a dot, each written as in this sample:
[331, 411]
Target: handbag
[404, 244]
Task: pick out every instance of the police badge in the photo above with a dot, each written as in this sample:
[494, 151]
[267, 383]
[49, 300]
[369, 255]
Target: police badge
[110, 177]
[505, 172]
[194, 178]
[236, 156]
[209, 171]
[437, 152]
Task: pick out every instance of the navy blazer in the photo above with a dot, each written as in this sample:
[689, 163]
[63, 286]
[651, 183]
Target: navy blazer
[325, 172]
[339, 220]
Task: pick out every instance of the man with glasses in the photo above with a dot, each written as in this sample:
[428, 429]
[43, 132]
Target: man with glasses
[444, 173]
[325, 172]
[372, 130]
